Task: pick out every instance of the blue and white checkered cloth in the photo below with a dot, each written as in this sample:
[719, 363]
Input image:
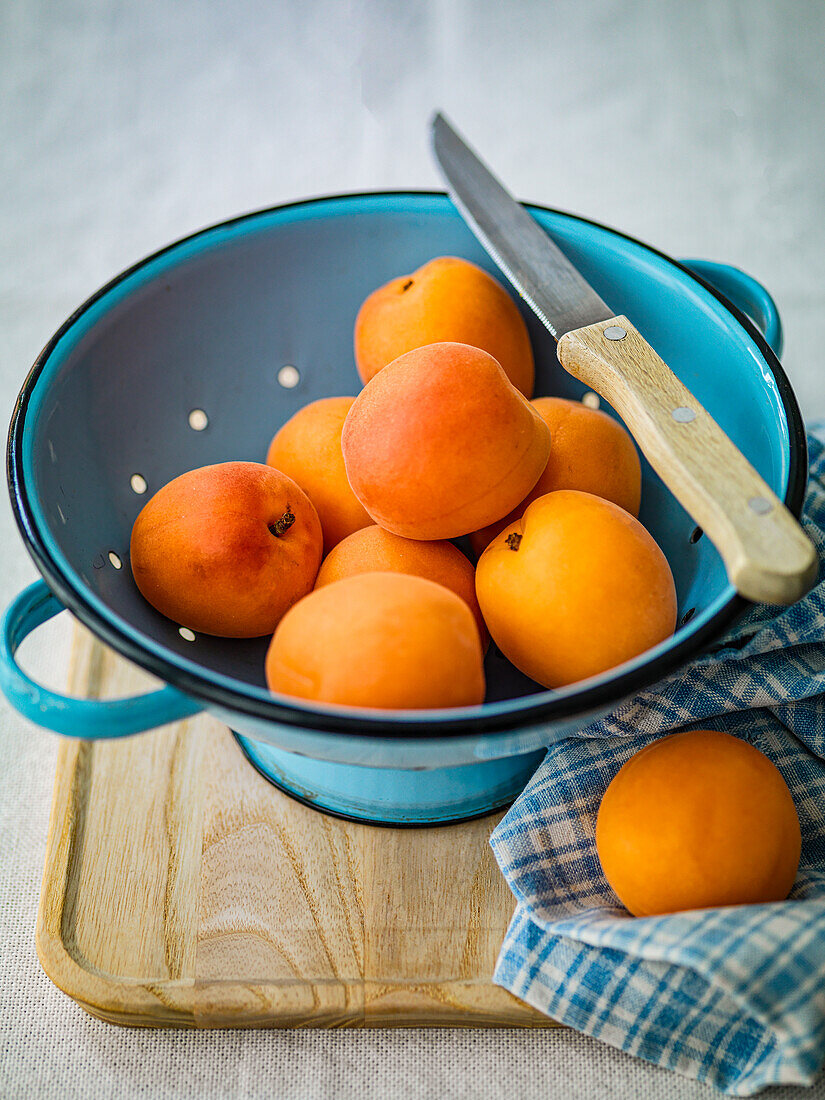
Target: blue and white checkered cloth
[734, 997]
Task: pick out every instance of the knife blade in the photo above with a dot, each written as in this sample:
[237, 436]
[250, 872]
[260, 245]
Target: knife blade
[530, 259]
[768, 557]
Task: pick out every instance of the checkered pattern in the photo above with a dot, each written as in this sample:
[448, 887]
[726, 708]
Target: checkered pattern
[734, 997]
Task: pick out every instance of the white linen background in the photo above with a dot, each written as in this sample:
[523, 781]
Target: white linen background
[695, 126]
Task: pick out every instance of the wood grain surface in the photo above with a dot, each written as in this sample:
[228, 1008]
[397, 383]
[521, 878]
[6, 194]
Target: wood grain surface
[182, 889]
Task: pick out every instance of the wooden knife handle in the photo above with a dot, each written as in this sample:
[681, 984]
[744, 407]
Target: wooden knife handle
[768, 556]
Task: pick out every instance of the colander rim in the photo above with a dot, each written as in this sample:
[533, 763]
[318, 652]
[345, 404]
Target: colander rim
[591, 698]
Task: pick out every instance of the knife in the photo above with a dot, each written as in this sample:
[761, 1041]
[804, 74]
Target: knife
[768, 557]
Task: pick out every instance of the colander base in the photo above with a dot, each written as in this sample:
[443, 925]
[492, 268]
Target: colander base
[393, 796]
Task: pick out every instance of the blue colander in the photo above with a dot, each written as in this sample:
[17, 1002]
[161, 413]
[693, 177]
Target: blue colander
[198, 353]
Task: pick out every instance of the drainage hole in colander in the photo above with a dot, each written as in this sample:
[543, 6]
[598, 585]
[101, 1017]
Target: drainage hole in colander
[187, 634]
[289, 377]
[696, 534]
[198, 420]
[115, 560]
[591, 400]
[138, 483]
[688, 615]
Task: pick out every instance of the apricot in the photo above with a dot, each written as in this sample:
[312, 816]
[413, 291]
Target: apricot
[697, 820]
[573, 588]
[589, 451]
[386, 640]
[307, 448]
[446, 299]
[372, 549]
[227, 549]
[439, 443]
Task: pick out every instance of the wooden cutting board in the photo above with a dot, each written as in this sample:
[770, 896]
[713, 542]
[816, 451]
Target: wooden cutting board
[182, 889]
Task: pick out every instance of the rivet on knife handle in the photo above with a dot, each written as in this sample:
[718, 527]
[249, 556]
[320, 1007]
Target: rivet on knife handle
[768, 557]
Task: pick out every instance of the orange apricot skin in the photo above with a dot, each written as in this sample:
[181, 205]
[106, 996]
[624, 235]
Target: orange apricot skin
[307, 448]
[447, 299]
[381, 640]
[374, 550]
[574, 588]
[202, 552]
[439, 443]
[696, 820]
[589, 451]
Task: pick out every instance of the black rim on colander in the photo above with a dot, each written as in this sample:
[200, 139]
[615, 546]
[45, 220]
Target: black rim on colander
[549, 707]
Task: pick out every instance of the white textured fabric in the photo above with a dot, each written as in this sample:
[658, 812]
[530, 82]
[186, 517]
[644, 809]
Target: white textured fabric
[124, 125]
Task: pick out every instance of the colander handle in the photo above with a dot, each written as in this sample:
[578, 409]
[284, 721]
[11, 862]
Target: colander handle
[746, 294]
[89, 718]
